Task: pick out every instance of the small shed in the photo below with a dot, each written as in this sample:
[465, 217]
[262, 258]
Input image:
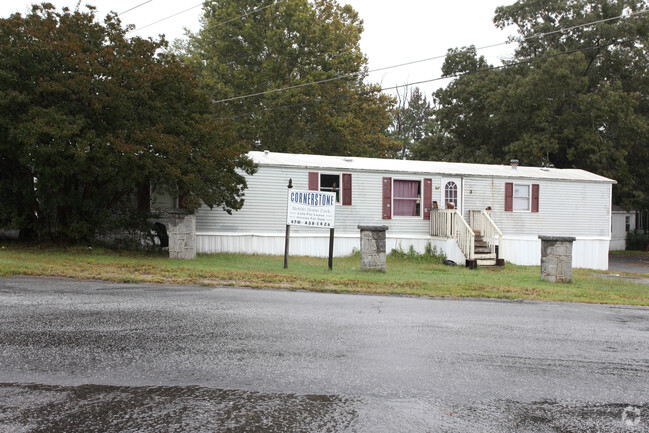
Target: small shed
[449, 205]
[622, 222]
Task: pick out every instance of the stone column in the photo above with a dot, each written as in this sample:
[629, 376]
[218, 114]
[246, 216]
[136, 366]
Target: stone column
[182, 234]
[556, 259]
[373, 248]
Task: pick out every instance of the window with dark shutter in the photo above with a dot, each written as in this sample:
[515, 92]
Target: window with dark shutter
[340, 184]
[521, 197]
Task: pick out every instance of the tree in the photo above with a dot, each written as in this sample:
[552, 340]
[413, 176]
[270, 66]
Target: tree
[89, 119]
[575, 98]
[256, 47]
[409, 119]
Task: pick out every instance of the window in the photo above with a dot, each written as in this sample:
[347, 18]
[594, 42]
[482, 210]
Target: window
[450, 194]
[521, 197]
[406, 198]
[330, 183]
[341, 184]
[627, 223]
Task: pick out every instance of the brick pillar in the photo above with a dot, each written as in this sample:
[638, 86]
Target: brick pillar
[373, 248]
[556, 259]
[182, 234]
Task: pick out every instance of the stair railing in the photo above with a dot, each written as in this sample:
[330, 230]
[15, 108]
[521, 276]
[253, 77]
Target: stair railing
[481, 221]
[449, 223]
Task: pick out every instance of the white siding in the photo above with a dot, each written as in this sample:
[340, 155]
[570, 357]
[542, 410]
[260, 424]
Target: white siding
[618, 229]
[264, 210]
[566, 208]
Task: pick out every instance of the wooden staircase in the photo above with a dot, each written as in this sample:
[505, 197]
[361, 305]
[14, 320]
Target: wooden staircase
[482, 254]
[479, 241]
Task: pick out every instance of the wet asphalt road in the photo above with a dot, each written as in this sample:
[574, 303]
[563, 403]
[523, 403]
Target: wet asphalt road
[102, 357]
[638, 264]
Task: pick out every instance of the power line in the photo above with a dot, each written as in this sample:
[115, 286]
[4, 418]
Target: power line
[169, 17]
[134, 7]
[491, 68]
[350, 75]
[240, 16]
[438, 57]
[209, 26]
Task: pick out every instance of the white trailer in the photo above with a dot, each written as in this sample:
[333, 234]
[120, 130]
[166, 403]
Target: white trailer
[421, 202]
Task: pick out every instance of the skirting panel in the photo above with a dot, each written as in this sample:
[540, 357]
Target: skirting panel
[316, 245]
[586, 253]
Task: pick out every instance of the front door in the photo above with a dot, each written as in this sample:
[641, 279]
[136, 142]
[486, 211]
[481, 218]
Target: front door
[452, 193]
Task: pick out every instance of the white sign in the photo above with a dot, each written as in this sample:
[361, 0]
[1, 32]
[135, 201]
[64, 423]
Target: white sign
[311, 208]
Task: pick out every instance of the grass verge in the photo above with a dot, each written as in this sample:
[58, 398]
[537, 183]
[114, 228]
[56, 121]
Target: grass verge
[404, 276]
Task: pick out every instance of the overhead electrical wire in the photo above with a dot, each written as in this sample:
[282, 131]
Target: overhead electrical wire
[438, 57]
[169, 17]
[134, 7]
[491, 68]
[208, 26]
[354, 74]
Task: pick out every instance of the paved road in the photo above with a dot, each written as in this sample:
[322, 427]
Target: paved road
[94, 356]
[628, 263]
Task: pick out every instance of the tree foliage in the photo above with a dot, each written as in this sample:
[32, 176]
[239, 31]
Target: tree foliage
[89, 117]
[249, 46]
[572, 98]
[410, 118]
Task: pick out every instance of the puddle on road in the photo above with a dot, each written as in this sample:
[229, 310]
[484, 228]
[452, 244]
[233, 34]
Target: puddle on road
[59, 409]
[553, 416]
[96, 408]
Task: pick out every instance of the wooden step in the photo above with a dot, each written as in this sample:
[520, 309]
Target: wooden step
[489, 262]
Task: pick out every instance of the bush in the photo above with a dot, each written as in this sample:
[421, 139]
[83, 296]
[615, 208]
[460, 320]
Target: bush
[637, 240]
[430, 254]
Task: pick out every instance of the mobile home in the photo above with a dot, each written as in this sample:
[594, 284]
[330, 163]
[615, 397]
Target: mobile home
[444, 204]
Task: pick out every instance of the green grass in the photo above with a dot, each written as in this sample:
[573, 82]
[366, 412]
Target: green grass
[404, 276]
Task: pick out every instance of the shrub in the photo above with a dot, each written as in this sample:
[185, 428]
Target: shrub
[637, 240]
[430, 254]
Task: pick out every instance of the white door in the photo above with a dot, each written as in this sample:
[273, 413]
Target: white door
[452, 193]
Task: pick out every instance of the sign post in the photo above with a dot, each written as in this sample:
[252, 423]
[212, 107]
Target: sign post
[331, 248]
[314, 209]
[288, 230]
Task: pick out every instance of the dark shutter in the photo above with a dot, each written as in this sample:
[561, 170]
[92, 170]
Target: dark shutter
[428, 197]
[314, 181]
[347, 189]
[535, 197]
[387, 198]
[509, 196]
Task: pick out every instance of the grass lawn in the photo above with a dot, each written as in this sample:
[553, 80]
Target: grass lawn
[404, 276]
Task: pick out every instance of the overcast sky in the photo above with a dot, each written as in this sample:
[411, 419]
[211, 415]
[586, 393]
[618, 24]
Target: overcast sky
[395, 31]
